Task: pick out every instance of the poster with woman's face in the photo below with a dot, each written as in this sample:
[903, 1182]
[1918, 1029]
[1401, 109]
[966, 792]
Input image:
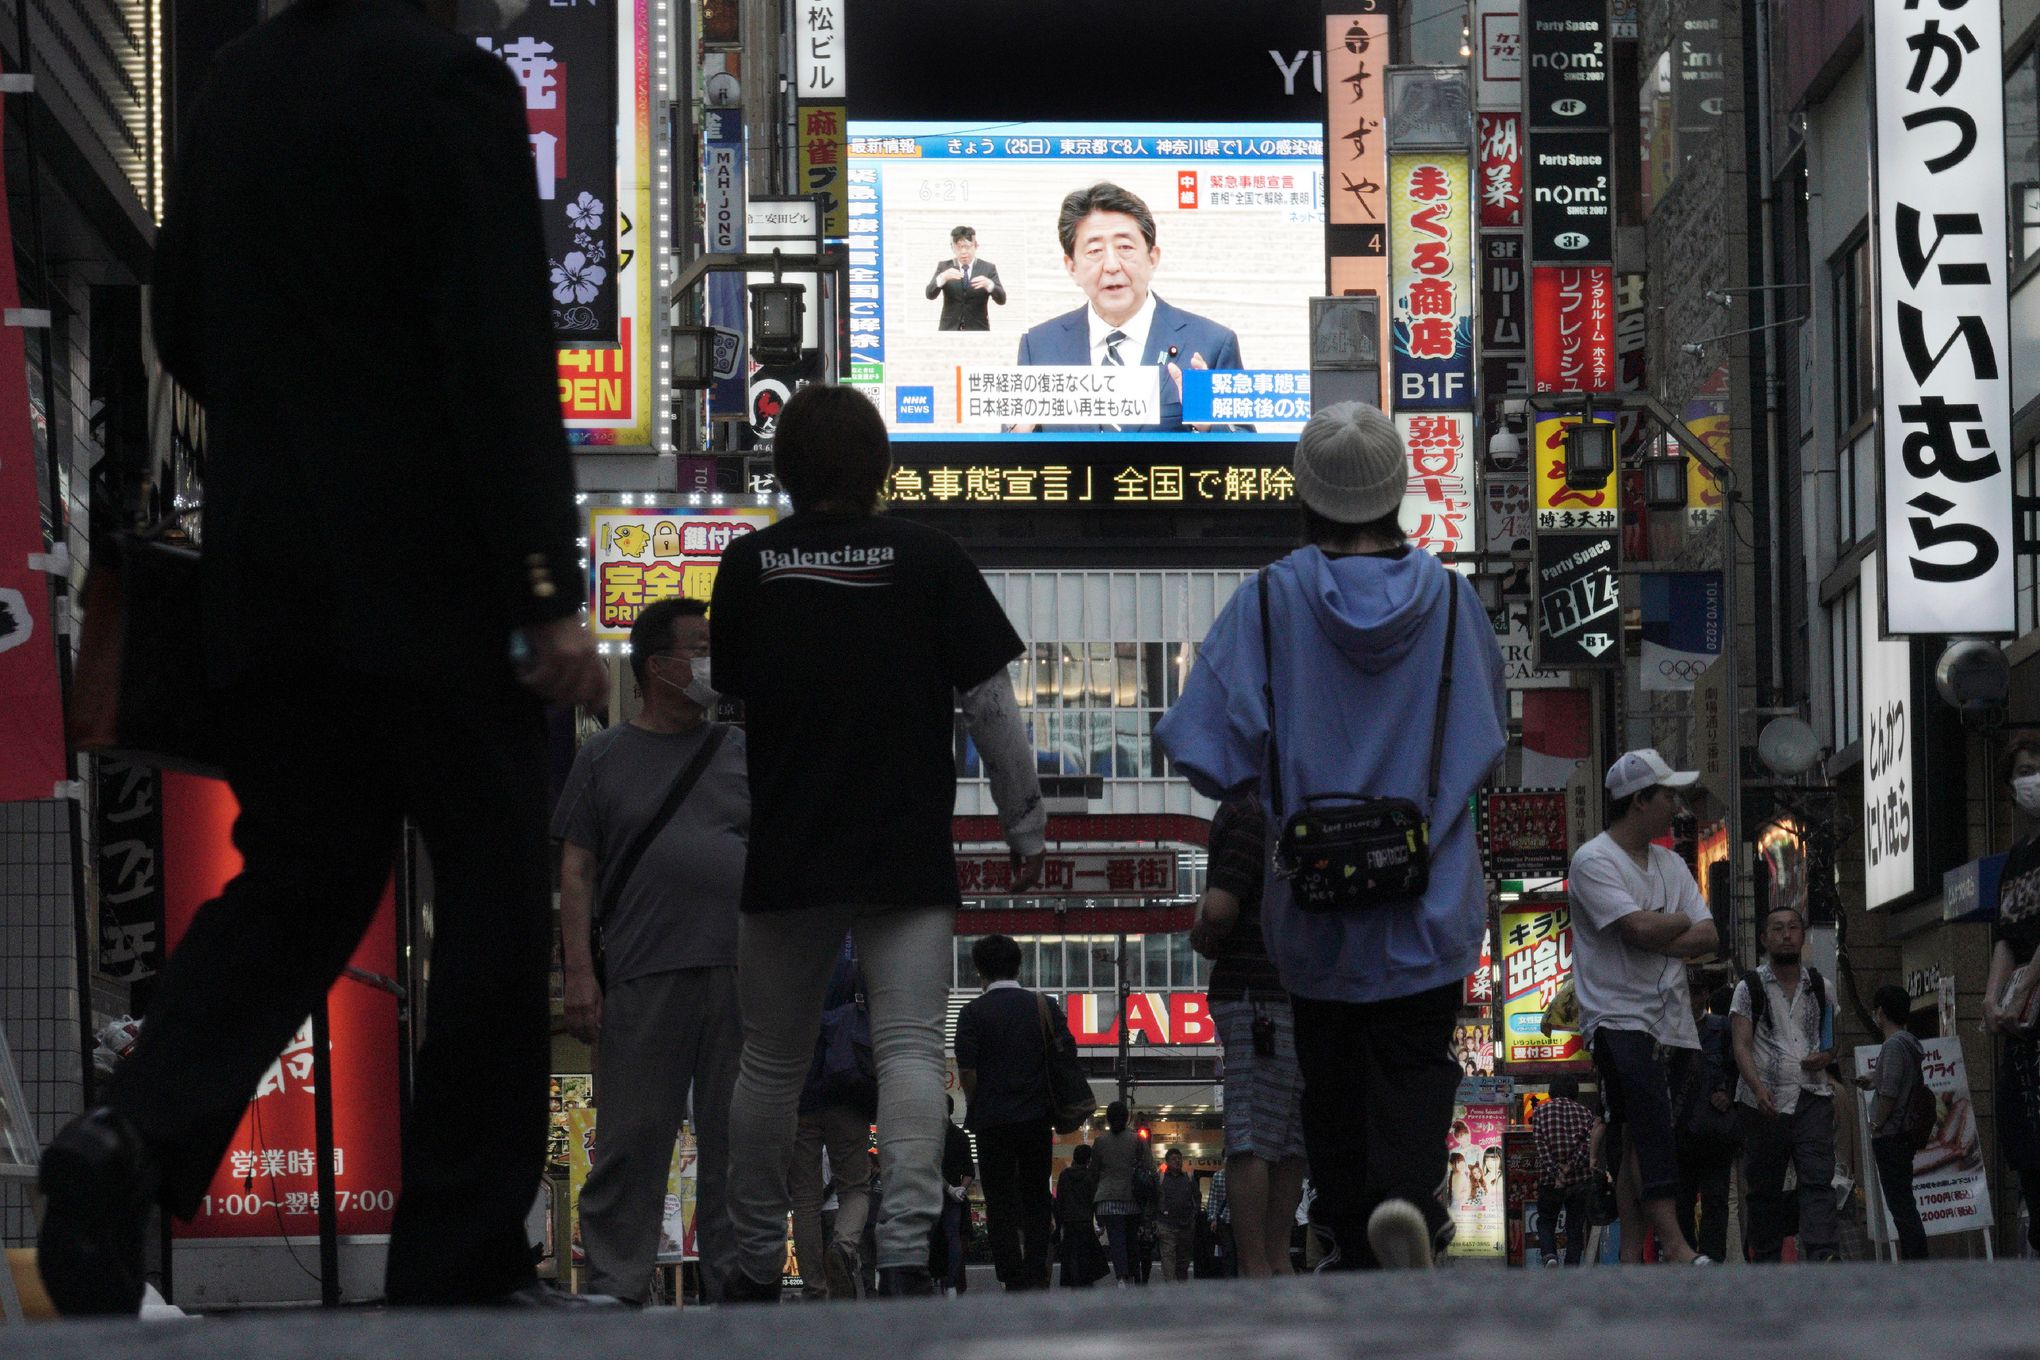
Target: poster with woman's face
[1476, 1182]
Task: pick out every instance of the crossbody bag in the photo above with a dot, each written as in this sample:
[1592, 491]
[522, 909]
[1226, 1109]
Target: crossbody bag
[1354, 851]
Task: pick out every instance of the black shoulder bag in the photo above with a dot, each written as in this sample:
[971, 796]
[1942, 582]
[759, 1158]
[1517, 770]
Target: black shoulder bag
[1357, 852]
[627, 863]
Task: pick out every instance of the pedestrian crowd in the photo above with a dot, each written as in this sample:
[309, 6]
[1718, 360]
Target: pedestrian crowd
[757, 923]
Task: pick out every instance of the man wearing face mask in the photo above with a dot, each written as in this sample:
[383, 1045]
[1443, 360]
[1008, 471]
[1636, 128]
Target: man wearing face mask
[653, 823]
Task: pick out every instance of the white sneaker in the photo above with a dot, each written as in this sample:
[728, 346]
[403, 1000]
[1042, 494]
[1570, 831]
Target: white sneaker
[1704, 1260]
[1400, 1237]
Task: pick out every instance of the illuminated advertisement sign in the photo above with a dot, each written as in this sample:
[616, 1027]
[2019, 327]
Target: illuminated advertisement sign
[1438, 506]
[1574, 348]
[639, 555]
[1537, 957]
[1059, 485]
[1430, 281]
[1168, 1019]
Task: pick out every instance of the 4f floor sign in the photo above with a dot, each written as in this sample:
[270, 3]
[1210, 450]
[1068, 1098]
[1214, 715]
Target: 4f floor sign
[1579, 601]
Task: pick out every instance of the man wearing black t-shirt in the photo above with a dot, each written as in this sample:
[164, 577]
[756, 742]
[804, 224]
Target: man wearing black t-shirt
[850, 637]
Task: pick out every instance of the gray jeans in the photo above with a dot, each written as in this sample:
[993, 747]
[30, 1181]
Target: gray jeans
[661, 1034]
[1804, 1139]
[785, 958]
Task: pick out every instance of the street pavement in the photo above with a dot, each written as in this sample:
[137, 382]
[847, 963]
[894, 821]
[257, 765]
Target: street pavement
[1953, 1311]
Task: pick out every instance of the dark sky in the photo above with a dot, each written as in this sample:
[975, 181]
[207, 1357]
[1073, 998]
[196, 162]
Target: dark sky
[1184, 60]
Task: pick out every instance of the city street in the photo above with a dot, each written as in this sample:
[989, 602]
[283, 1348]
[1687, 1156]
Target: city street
[1953, 1311]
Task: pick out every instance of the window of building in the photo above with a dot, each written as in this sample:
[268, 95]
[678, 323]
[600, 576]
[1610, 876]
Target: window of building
[1856, 488]
[2022, 155]
[1845, 641]
[1854, 324]
[2026, 567]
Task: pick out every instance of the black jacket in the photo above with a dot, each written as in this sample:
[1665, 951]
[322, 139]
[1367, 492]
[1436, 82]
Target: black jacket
[352, 282]
[1000, 1037]
[965, 308]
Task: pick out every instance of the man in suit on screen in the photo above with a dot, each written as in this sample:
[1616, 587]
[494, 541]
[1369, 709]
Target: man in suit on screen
[967, 285]
[1108, 243]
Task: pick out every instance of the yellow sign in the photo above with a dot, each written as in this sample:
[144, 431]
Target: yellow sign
[820, 143]
[1537, 959]
[1558, 505]
[638, 555]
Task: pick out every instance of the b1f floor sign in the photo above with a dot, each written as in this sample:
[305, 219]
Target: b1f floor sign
[1579, 601]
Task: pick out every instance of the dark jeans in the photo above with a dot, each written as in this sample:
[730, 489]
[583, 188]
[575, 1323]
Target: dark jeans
[1378, 1085]
[1577, 1202]
[1806, 1139]
[1119, 1242]
[1895, 1175]
[324, 777]
[1704, 1167]
[946, 1260]
[1636, 1092]
[1013, 1167]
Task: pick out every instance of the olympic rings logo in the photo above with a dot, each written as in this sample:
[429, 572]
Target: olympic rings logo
[1683, 670]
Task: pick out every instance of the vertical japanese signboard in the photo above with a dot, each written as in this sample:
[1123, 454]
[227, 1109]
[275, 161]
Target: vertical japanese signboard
[603, 239]
[1537, 958]
[1498, 54]
[1356, 154]
[128, 813]
[639, 555]
[1566, 64]
[1944, 428]
[1575, 310]
[1501, 169]
[1439, 504]
[1558, 505]
[565, 61]
[1430, 281]
[31, 706]
[820, 129]
[1890, 758]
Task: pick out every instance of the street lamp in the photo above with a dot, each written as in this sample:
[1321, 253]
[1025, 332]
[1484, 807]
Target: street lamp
[693, 358]
[778, 313]
[1664, 480]
[1589, 455]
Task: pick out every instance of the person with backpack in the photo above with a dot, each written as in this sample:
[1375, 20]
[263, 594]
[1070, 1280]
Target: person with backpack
[1784, 1027]
[1002, 1057]
[836, 1109]
[1902, 1117]
[1356, 688]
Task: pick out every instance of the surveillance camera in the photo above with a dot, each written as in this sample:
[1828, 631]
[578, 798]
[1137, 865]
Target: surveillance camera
[1505, 449]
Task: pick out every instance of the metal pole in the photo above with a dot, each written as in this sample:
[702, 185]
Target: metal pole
[1125, 1054]
[322, 1124]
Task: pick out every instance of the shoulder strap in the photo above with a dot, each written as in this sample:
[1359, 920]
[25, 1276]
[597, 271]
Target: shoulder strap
[1760, 999]
[627, 862]
[1268, 693]
[1437, 718]
[1444, 687]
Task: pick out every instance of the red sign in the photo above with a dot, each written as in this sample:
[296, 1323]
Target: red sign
[1501, 170]
[1079, 873]
[31, 707]
[268, 1184]
[1438, 502]
[1480, 983]
[1573, 311]
[1167, 1018]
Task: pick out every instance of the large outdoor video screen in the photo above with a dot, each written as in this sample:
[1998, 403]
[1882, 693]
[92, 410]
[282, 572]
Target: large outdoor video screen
[1176, 310]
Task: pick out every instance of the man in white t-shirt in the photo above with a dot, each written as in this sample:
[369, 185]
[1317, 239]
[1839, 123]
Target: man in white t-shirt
[1637, 916]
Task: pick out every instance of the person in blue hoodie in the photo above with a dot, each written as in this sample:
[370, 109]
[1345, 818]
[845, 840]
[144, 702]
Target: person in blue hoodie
[1359, 633]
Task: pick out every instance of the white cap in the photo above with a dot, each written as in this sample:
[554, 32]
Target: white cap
[1645, 769]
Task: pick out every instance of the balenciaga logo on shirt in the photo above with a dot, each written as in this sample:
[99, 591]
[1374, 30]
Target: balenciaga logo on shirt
[846, 566]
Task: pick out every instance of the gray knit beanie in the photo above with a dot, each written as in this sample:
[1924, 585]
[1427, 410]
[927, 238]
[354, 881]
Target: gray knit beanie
[1350, 464]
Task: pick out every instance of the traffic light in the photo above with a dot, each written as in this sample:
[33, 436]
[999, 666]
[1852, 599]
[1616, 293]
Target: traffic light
[1144, 1133]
